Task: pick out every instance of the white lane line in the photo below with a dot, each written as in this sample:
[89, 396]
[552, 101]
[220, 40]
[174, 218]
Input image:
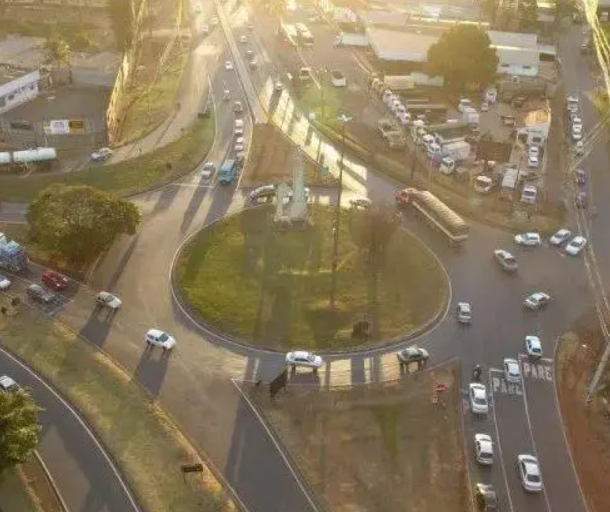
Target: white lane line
[82, 423]
[468, 475]
[495, 420]
[278, 447]
[529, 426]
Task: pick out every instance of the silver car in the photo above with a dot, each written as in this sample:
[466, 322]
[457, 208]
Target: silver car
[305, 359]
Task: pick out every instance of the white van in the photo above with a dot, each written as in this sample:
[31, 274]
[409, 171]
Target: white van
[239, 127]
[529, 194]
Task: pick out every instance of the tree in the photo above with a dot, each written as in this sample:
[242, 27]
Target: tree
[78, 221]
[463, 55]
[372, 229]
[57, 51]
[528, 14]
[18, 428]
[121, 15]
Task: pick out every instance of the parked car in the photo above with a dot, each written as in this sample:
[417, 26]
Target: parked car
[576, 245]
[238, 108]
[579, 148]
[5, 283]
[412, 354]
[533, 347]
[54, 280]
[305, 359]
[158, 338]
[512, 372]
[537, 301]
[483, 449]
[529, 472]
[464, 312]
[243, 39]
[580, 176]
[506, 260]
[101, 154]
[239, 144]
[528, 239]
[484, 107]
[485, 497]
[582, 200]
[207, 171]
[338, 79]
[477, 394]
[560, 237]
[107, 300]
[38, 294]
[279, 86]
[8, 385]
[228, 65]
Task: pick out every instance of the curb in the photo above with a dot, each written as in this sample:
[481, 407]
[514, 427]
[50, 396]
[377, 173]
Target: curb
[52, 484]
[202, 325]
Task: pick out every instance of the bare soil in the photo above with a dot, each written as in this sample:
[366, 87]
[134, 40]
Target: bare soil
[376, 448]
[272, 159]
[587, 426]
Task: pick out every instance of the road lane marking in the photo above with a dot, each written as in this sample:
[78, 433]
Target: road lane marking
[498, 383]
[83, 425]
[529, 426]
[495, 421]
[533, 371]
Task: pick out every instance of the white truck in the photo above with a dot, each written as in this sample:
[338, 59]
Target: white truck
[471, 116]
[510, 181]
[458, 151]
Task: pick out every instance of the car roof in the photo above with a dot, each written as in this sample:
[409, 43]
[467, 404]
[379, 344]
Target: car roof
[534, 340]
[6, 381]
[477, 385]
[155, 332]
[511, 363]
[301, 353]
[578, 239]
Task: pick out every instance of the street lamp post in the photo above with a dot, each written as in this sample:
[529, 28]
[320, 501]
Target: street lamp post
[343, 119]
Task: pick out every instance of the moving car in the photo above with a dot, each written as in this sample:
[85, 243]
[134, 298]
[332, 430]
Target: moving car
[483, 449]
[484, 107]
[338, 79]
[580, 176]
[528, 239]
[532, 160]
[239, 144]
[582, 200]
[537, 301]
[512, 372]
[158, 338]
[533, 347]
[303, 358]
[506, 260]
[38, 294]
[412, 354]
[529, 472]
[214, 21]
[477, 394]
[560, 237]
[238, 107]
[101, 154]
[305, 74]
[5, 283]
[464, 312]
[198, 8]
[243, 39]
[279, 86]
[576, 245]
[107, 300]
[205, 30]
[54, 280]
[7, 384]
[228, 65]
[485, 497]
[207, 171]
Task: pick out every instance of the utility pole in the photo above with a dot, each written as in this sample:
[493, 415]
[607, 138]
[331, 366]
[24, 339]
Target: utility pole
[343, 119]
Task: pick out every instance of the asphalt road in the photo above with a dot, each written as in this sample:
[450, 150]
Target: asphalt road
[193, 384]
[85, 476]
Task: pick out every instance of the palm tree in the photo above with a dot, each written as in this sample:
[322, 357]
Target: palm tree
[57, 51]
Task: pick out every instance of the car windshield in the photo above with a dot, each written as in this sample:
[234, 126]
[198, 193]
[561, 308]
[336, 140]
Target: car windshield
[533, 478]
[479, 400]
[311, 358]
[163, 337]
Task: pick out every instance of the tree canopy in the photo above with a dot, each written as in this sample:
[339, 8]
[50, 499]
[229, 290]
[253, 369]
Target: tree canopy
[528, 14]
[121, 15]
[463, 55]
[18, 428]
[79, 221]
[57, 51]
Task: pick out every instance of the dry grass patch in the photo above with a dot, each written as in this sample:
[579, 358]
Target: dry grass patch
[376, 448]
[138, 434]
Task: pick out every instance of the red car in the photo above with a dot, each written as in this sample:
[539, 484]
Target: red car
[54, 280]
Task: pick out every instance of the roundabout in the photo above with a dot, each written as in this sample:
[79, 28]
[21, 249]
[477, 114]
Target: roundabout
[268, 287]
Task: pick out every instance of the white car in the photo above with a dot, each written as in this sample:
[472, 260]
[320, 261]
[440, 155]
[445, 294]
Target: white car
[404, 118]
[512, 372]
[243, 39]
[238, 107]
[576, 245]
[158, 338]
[397, 106]
[228, 65]
[576, 121]
[484, 107]
[464, 312]
[560, 237]
[532, 161]
[198, 8]
[101, 154]
[576, 134]
[506, 260]
[483, 449]
[279, 86]
[205, 30]
[528, 239]
[214, 21]
[107, 300]
[207, 171]
[7, 384]
[533, 347]
[239, 144]
[579, 148]
[537, 300]
[529, 472]
[5, 283]
[477, 394]
[338, 79]
[305, 359]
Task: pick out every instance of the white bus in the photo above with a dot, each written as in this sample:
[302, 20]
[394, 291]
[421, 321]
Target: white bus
[305, 36]
[436, 213]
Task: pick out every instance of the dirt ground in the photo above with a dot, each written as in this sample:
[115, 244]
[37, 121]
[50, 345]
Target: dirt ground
[588, 427]
[271, 160]
[376, 448]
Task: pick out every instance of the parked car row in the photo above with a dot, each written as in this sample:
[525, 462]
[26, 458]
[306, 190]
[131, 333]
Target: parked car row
[573, 247]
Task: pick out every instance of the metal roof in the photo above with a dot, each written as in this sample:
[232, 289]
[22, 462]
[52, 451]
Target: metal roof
[513, 39]
[518, 56]
[400, 46]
